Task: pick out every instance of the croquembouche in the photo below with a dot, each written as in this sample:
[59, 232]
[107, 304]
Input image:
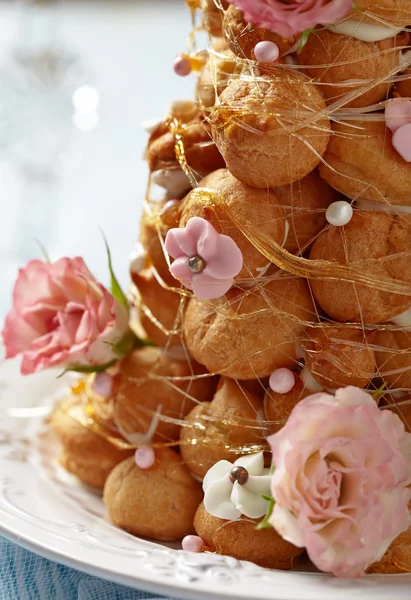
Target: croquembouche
[250, 393]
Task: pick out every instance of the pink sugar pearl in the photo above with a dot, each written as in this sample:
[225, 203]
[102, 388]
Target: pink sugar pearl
[192, 543]
[401, 140]
[103, 384]
[145, 457]
[282, 381]
[266, 52]
[182, 66]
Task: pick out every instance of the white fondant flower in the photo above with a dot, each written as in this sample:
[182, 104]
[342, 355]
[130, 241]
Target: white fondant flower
[227, 500]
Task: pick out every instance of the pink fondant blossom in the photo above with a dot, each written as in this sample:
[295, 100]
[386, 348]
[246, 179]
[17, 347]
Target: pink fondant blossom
[342, 467]
[221, 258]
[398, 120]
[289, 17]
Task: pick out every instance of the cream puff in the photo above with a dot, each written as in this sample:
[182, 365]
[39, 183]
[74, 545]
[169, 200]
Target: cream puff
[220, 199]
[153, 229]
[388, 12]
[158, 502]
[393, 356]
[213, 16]
[278, 406]
[362, 163]
[243, 37]
[159, 309]
[154, 392]
[335, 60]
[305, 203]
[377, 244]
[339, 356]
[397, 559]
[84, 453]
[215, 77]
[248, 334]
[221, 429]
[200, 152]
[271, 130]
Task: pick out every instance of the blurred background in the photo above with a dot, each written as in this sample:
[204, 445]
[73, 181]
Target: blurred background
[77, 79]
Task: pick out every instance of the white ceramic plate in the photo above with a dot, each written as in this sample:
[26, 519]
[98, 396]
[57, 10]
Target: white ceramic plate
[48, 512]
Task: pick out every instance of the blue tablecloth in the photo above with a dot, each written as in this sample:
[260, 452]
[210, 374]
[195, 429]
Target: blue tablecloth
[26, 576]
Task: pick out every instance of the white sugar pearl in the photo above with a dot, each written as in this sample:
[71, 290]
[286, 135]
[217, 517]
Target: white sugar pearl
[339, 213]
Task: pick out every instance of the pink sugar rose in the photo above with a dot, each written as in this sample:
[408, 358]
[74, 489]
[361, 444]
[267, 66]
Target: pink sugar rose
[205, 261]
[62, 317]
[342, 467]
[288, 17]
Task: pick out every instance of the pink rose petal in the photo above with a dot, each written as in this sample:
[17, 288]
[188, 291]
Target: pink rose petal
[340, 482]
[292, 16]
[62, 317]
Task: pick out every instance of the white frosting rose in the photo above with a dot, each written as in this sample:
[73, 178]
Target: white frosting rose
[227, 500]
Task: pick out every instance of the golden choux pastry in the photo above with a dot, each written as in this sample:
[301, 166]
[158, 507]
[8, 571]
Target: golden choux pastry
[259, 147]
[159, 502]
[334, 60]
[153, 229]
[151, 385]
[241, 540]
[213, 16]
[249, 333]
[403, 88]
[252, 206]
[278, 407]
[393, 356]
[363, 164]
[402, 408]
[339, 356]
[305, 203]
[257, 387]
[379, 244]
[159, 310]
[215, 77]
[243, 37]
[397, 559]
[200, 151]
[231, 419]
[389, 12]
[84, 453]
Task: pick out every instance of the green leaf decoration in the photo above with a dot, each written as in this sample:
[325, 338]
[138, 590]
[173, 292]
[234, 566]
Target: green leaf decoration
[115, 286]
[43, 250]
[87, 368]
[379, 391]
[264, 523]
[304, 39]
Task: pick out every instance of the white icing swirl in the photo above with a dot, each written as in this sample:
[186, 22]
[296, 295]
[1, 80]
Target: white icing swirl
[138, 259]
[365, 32]
[403, 320]
[174, 181]
[309, 382]
[227, 500]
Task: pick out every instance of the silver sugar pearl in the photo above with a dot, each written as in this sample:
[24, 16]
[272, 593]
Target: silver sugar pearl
[196, 264]
[239, 474]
